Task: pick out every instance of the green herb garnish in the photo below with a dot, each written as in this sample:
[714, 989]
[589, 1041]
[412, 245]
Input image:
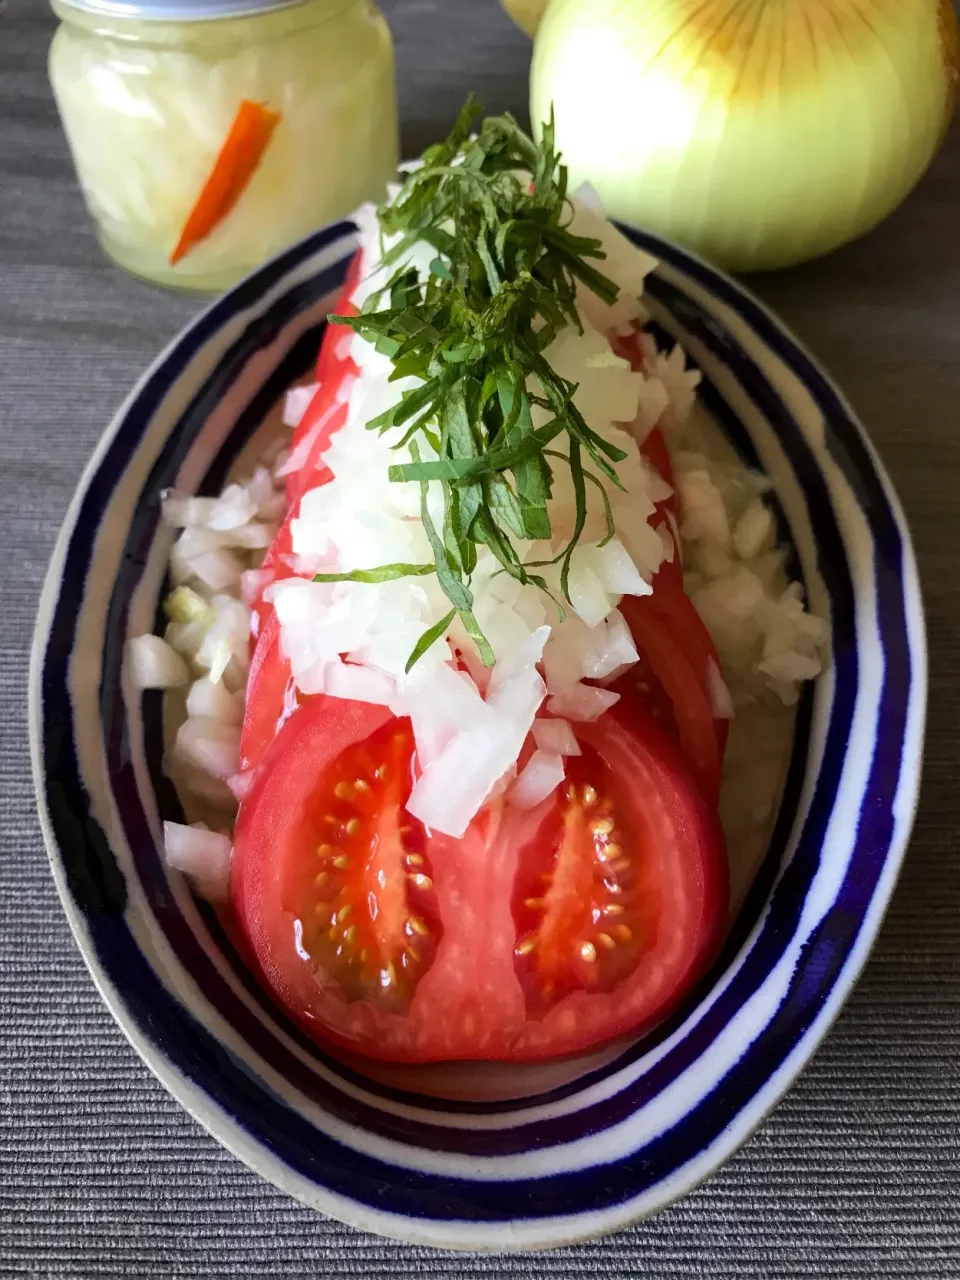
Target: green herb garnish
[502, 285]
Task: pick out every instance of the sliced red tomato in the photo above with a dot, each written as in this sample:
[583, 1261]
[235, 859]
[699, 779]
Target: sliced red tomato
[534, 935]
[671, 666]
[271, 695]
[336, 338]
[324, 415]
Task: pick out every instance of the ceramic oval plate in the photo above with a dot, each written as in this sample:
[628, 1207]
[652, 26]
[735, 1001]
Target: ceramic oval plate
[489, 1160]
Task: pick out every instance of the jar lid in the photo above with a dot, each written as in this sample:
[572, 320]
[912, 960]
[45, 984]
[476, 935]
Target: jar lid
[178, 10]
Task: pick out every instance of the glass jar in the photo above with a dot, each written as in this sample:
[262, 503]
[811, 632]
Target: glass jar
[210, 135]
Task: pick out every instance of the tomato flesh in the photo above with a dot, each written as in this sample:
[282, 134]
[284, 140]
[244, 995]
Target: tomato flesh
[584, 899]
[361, 883]
[536, 934]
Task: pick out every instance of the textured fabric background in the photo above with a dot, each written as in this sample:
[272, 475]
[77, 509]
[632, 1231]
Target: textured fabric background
[856, 1174]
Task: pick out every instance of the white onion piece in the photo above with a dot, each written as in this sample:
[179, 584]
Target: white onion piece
[704, 511]
[590, 599]
[217, 569]
[653, 402]
[455, 784]
[212, 701]
[183, 511]
[617, 571]
[298, 455]
[681, 384]
[754, 530]
[202, 855]
[581, 702]
[232, 509]
[155, 664]
[254, 536]
[186, 637]
[613, 650]
[261, 489]
[361, 684]
[253, 583]
[556, 736]
[227, 639]
[297, 402]
[210, 746]
[542, 775]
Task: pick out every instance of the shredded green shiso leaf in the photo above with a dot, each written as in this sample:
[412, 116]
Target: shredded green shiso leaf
[503, 284]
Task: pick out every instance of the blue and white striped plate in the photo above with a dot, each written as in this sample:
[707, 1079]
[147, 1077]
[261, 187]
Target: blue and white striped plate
[582, 1150]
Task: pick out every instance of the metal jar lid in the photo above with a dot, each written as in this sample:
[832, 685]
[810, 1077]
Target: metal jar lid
[178, 10]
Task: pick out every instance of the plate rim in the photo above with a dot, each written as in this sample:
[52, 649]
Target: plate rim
[226, 1128]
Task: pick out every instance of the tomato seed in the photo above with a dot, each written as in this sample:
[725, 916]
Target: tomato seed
[361, 784]
[606, 941]
[623, 933]
[417, 926]
[526, 946]
[603, 827]
[325, 850]
[414, 859]
[344, 913]
[589, 795]
[352, 826]
[341, 862]
[588, 952]
[421, 881]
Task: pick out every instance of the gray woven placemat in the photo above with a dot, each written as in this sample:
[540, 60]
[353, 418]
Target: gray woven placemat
[857, 1173]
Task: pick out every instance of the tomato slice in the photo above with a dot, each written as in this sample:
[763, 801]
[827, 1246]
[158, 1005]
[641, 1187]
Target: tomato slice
[271, 695]
[336, 338]
[667, 669]
[536, 934]
[324, 416]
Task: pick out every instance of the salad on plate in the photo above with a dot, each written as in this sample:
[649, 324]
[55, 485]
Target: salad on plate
[490, 666]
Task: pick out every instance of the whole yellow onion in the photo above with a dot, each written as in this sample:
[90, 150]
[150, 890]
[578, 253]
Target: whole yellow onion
[759, 133]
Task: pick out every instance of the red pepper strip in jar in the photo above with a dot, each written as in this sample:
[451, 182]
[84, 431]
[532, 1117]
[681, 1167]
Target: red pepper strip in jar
[236, 164]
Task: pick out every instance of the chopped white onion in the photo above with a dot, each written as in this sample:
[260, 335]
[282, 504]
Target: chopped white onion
[754, 530]
[297, 402]
[212, 701]
[154, 664]
[210, 746]
[613, 651]
[541, 776]
[362, 684]
[217, 569]
[182, 511]
[253, 583]
[556, 736]
[232, 509]
[581, 702]
[202, 855]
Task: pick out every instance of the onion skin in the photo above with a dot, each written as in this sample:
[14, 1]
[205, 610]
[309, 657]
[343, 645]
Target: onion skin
[759, 133]
[525, 13]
